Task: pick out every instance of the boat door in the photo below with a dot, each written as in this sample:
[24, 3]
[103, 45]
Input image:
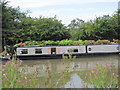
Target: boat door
[53, 50]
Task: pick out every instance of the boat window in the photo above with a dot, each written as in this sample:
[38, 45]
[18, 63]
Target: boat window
[38, 50]
[75, 50]
[72, 50]
[117, 48]
[24, 51]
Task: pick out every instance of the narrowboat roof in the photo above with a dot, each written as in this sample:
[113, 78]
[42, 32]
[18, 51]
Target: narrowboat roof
[64, 45]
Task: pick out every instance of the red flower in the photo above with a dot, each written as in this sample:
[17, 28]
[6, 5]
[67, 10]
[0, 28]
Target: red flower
[22, 44]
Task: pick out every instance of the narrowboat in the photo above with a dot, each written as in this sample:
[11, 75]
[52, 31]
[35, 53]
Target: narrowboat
[39, 51]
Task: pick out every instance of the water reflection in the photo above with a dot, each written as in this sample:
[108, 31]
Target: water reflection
[77, 82]
[56, 65]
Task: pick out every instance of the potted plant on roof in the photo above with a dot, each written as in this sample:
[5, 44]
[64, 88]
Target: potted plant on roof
[116, 41]
[87, 42]
[19, 44]
[91, 42]
[49, 43]
[66, 42]
[79, 42]
[103, 41]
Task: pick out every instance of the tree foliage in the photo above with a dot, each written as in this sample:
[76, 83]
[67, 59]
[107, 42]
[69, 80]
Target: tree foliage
[105, 27]
[18, 27]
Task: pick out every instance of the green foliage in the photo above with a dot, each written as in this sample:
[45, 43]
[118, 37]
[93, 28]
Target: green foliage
[49, 42]
[18, 27]
[105, 27]
[65, 42]
[79, 42]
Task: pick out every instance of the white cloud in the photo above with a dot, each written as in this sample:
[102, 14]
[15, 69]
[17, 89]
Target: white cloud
[43, 3]
[58, 12]
[64, 14]
[66, 19]
[34, 3]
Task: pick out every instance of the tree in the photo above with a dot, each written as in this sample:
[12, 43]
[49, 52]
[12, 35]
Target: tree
[74, 28]
[10, 20]
[105, 27]
[18, 27]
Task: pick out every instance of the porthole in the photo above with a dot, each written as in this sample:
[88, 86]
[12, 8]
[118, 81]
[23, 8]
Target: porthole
[75, 50]
[89, 49]
[117, 48]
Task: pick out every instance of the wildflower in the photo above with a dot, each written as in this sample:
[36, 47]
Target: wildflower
[26, 65]
[3, 70]
[26, 73]
[3, 65]
[86, 74]
[5, 75]
[96, 73]
[105, 66]
[8, 62]
[9, 59]
[108, 65]
[98, 63]
[89, 74]
[94, 68]
[21, 61]
[15, 65]
[92, 71]
[9, 87]
[21, 44]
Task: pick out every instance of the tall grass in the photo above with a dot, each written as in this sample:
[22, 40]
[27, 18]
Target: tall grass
[102, 76]
[13, 77]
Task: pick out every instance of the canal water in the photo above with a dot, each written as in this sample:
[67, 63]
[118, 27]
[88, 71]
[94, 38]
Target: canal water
[57, 66]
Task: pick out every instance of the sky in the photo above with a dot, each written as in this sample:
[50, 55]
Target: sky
[67, 10]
